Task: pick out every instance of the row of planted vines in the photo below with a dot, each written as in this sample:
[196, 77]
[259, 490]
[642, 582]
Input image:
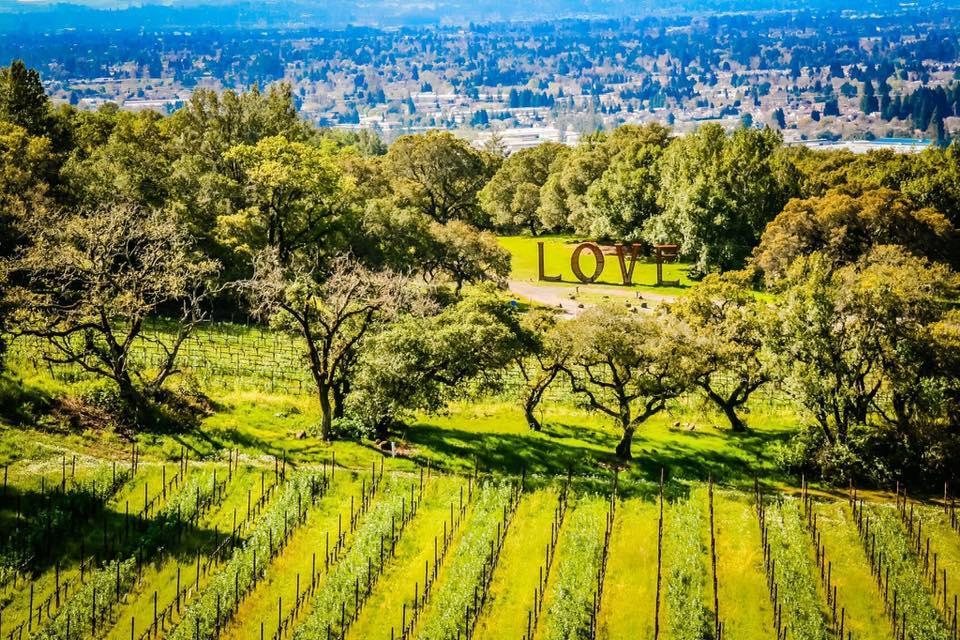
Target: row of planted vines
[454, 605]
[799, 610]
[685, 570]
[900, 563]
[189, 550]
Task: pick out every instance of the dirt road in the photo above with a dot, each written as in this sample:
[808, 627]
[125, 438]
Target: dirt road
[560, 297]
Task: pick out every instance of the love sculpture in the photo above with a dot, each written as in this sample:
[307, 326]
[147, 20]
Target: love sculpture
[627, 262]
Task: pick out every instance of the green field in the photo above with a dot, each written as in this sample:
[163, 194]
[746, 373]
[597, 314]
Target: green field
[487, 436]
[558, 251]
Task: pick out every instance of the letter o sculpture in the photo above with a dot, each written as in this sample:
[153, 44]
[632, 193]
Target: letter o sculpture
[575, 262]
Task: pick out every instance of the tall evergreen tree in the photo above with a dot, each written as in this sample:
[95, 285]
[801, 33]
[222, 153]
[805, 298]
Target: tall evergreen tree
[23, 100]
[868, 101]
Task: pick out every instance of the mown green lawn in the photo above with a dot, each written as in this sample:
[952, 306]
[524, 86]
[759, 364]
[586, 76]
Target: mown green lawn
[558, 251]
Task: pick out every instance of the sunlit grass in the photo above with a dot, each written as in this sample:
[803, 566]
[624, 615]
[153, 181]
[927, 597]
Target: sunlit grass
[745, 608]
[518, 570]
[558, 251]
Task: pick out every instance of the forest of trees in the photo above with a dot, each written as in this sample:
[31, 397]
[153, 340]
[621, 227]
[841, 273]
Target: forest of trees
[830, 274]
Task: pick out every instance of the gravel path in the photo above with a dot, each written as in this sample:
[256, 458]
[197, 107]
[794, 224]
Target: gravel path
[559, 297]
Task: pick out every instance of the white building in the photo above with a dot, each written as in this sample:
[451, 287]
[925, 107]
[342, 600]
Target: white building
[519, 138]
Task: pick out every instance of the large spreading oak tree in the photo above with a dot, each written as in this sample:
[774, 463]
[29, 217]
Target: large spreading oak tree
[627, 365]
[869, 343]
[334, 309]
[439, 174]
[87, 282]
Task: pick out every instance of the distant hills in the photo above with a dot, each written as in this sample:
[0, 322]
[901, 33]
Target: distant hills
[41, 15]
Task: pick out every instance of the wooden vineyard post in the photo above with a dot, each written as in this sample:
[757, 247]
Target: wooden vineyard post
[713, 562]
[656, 613]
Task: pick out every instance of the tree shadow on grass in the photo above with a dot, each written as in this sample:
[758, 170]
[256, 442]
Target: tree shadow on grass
[21, 404]
[309, 450]
[459, 450]
[728, 457]
[599, 437]
[82, 526]
[563, 448]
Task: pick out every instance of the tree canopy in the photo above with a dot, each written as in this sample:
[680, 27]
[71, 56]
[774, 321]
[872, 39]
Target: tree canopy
[440, 175]
[626, 365]
[845, 227]
[88, 282]
[718, 193]
[828, 276]
[512, 196]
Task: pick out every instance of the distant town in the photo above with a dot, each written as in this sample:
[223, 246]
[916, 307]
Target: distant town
[821, 77]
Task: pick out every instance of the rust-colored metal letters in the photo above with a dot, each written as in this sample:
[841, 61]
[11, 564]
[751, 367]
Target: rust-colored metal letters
[626, 259]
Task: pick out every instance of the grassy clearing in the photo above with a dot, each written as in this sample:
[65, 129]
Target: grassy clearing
[686, 440]
[517, 574]
[249, 415]
[856, 588]
[689, 440]
[558, 250]
[745, 607]
[629, 594]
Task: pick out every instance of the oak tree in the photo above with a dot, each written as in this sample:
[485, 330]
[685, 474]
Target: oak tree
[87, 283]
[333, 310]
[626, 365]
[729, 327]
[440, 175]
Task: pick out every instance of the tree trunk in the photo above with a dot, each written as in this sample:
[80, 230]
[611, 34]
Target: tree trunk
[339, 399]
[736, 424]
[131, 398]
[528, 412]
[382, 430]
[326, 412]
[727, 404]
[535, 395]
[623, 448]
